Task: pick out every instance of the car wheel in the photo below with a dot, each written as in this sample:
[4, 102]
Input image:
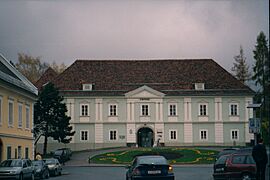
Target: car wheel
[60, 173]
[246, 177]
[33, 176]
[47, 175]
[21, 177]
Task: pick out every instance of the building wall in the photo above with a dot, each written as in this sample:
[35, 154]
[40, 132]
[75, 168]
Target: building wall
[13, 135]
[218, 122]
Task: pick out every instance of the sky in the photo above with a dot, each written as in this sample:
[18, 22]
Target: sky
[66, 30]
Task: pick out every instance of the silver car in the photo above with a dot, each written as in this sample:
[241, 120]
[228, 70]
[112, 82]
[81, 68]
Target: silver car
[54, 166]
[17, 169]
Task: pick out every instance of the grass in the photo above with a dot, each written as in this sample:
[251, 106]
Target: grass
[174, 155]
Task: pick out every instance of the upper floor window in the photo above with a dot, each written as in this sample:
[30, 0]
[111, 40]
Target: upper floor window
[10, 113]
[234, 134]
[20, 108]
[84, 135]
[173, 135]
[84, 109]
[113, 135]
[145, 110]
[203, 134]
[203, 109]
[113, 109]
[87, 87]
[27, 117]
[172, 110]
[1, 110]
[234, 109]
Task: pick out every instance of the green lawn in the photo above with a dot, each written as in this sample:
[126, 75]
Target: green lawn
[174, 155]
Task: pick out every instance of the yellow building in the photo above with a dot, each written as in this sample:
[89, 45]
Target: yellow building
[17, 98]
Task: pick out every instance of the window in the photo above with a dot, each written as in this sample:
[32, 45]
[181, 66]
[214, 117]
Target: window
[87, 87]
[172, 109]
[10, 113]
[20, 115]
[84, 136]
[203, 109]
[26, 153]
[113, 135]
[145, 110]
[84, 110]
[8, 152]
[173, 135]
[234, 109]
[27, 117]
[19, 152]
[0, 110]
[113, 109]
[238, 159]
[203, 134]
[234, 134]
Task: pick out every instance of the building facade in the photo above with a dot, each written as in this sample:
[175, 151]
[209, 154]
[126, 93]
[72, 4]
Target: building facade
[17, 97]
[146, 103]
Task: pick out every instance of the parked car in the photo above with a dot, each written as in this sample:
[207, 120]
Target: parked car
[69, 151]
[41, 169]
[54, 166]
[62, 155]
[235, 166]
[17, 169]
[226, 151]
[150, 167]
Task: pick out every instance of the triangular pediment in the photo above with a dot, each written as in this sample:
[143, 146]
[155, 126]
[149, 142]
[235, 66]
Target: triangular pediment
[144, 92]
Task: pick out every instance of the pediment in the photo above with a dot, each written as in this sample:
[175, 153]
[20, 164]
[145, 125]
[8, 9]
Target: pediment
[144, 92]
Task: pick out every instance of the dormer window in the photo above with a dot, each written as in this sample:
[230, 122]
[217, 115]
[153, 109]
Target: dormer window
[199, 86]
[87, 87]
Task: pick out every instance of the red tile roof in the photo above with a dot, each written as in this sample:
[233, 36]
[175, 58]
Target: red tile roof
[48, 76]
[172, 77]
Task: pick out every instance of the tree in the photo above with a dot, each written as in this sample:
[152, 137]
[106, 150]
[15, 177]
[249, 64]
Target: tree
[58, 68]
[261, 76]
[50, 117]
[31, 67]
[240, 67]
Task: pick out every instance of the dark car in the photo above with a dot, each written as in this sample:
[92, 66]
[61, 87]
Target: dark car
[235, 166]
[62, 155]
[226, 151]
[54, 166]
[17, 169]
[41, 169]
[150, 167]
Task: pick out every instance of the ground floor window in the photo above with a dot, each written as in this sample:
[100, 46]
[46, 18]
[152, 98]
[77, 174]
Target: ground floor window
[113, 135]
[19, 152]
[173, 135]
[84, 136]
[234, 134]
[26, 153]
[203, 134]
[8, 152]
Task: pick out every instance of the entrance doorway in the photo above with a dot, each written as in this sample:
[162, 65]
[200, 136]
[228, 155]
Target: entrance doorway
[145, 137]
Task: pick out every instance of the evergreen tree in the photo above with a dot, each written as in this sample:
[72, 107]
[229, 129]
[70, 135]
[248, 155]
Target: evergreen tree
[240, 67]
[50, 117]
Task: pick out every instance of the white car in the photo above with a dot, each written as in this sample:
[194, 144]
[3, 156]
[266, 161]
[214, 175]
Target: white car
[17, 169]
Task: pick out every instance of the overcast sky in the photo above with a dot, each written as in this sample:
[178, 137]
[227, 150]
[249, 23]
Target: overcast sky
[66, 30]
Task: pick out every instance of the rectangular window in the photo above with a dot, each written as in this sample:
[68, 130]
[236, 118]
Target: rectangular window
[10, 113]
[234, 109]
[1, 110]
[173, 135]
[27, 117]
[113, 135]
[84, 110]
[113, 110]
[234, 134]
[172, 109]
[145, 110]
[8, 152]
[203, 110]
[19, 152]
[84, 136]
[20, 115]
[203, 135]
[26, 153]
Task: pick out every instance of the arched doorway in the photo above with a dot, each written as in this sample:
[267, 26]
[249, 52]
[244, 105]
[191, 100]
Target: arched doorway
[145, 137]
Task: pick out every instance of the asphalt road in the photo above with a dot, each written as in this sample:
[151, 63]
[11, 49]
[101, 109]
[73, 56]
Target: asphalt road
[118, 173]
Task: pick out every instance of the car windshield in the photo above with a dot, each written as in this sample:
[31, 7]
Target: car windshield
[11, 163]
[50, 161]
[37, 163]
[152, 160]
[59, 152]
[222, 160]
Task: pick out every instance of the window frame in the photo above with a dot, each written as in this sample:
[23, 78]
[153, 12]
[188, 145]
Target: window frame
[20, 115]
[1, 106]
[202, 138]
[111, 110]
[84, 113]
[115, 135]
[204, 112]
[232, 110]
[174, 111]
[175, 135]
[9, 152]
[10, 116]
[82, 137]
[27, 117]
[143, 110]
[26, 152]
[232, 136]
